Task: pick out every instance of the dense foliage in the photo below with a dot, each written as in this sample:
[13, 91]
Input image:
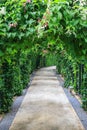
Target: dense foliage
[64, 26]
[29, 32]
[18, 56]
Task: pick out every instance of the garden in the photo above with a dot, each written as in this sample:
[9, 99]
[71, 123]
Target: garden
[38, 33]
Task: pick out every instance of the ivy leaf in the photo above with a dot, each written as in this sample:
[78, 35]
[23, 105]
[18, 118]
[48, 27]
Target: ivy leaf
[14, 34]
[84, 51]
[30, 30]
[9, 35]
[27, 33]
[26, 16]
[9, 50]
[23, 27]
[54, 19]
[86, 40]
[59, 15]
[21, 35]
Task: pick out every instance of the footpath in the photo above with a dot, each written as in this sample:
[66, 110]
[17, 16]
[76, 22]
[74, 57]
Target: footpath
[45, 106]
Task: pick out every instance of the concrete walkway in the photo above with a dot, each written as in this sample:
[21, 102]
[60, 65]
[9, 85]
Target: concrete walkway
[45, 106]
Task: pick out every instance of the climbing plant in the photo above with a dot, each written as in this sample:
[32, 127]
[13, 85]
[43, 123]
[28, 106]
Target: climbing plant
[18, 57]
[29, 31]
[64, 26]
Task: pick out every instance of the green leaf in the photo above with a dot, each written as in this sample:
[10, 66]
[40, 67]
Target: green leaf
[85, 40]
[27, 33]
[1, 53]
[59, 15]
[1, 43]
[21, 35]
[84, 52]
[14, 34]
[31, 21]
[2, 34]
[26, 16]
[9, 35]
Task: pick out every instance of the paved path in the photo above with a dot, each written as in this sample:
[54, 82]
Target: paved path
[45, 106]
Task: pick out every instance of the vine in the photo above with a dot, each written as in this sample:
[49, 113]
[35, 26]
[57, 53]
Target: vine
[29, 31]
